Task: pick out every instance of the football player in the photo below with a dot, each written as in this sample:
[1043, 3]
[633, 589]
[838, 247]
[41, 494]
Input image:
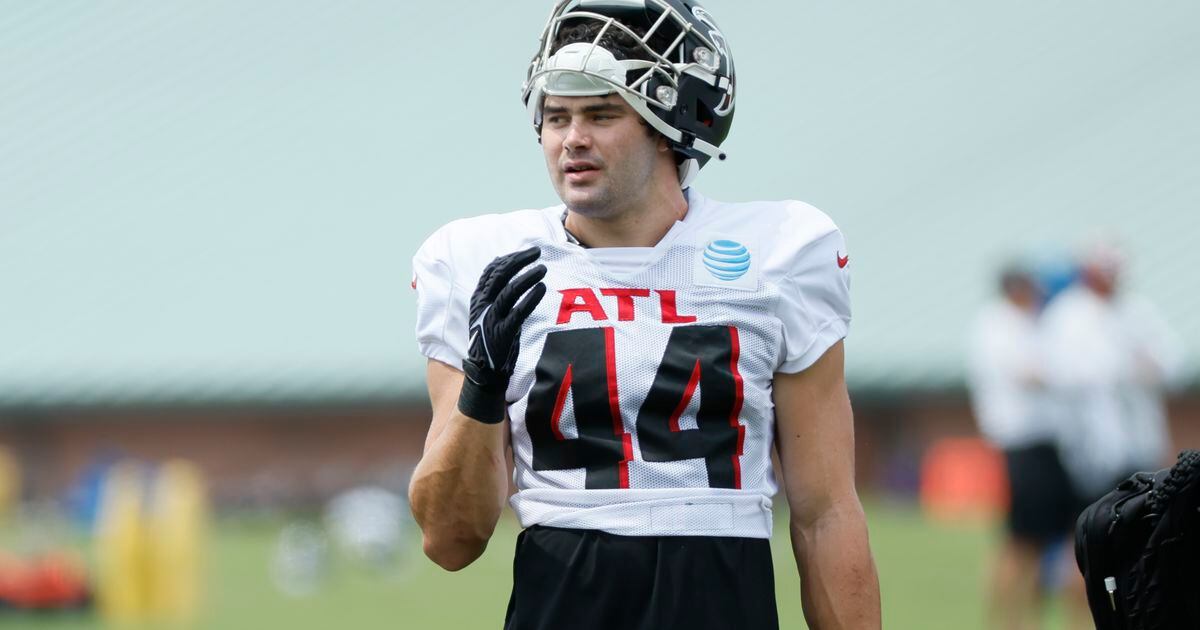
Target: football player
[641, 349]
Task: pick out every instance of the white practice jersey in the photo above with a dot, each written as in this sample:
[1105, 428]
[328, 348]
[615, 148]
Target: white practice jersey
[1106, 364]
[641, 399]
[1004, 376]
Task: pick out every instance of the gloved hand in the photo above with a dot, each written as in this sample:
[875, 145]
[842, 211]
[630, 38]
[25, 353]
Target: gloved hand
[495, 332]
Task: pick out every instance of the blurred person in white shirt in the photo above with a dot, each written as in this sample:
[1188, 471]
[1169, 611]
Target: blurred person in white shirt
[1006, 386]
[1108, 359]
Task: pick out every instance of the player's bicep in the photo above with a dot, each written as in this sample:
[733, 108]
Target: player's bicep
[445, 384]
[815, 435]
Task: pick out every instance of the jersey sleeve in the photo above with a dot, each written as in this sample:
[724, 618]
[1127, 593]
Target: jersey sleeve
[442, 302]
[814, 301]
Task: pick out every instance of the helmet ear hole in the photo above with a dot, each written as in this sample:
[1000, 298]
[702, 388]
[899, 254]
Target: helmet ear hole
[704, 114]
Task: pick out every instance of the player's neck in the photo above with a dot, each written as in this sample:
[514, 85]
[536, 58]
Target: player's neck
[641, 224]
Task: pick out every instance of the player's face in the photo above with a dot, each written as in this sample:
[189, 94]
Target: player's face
[600, 156]
[1102, 279]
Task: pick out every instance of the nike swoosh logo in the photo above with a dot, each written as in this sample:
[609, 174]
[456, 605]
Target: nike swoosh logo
[842, 261]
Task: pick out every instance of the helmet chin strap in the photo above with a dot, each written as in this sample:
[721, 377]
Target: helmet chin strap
[688, 171]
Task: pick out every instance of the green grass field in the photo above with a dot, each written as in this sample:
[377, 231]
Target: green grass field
[931, 578]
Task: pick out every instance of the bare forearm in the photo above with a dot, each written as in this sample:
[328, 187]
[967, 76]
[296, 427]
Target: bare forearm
[838, 582]
[458, 490]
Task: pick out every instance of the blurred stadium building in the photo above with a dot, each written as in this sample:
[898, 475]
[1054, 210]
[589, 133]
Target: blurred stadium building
[280, 443]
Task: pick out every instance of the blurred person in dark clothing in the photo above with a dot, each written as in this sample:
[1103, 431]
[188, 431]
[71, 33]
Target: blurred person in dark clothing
[1006, 387]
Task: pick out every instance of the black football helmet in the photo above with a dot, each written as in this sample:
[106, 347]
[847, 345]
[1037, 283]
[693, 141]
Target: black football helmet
[680, 77]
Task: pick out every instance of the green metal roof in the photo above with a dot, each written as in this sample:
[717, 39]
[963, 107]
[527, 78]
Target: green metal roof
[219, 200]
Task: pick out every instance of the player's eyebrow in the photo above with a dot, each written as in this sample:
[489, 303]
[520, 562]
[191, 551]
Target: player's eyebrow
[587, 109]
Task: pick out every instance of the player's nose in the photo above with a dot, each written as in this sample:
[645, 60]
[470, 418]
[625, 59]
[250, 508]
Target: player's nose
[577, 138]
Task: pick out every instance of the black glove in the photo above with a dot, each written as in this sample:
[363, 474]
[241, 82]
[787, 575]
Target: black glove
[495, 332]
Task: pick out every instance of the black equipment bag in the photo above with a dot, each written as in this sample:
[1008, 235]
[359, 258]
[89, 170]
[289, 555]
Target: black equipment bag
[1138, 548]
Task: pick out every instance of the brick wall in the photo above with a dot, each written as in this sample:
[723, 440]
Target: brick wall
[278, 455]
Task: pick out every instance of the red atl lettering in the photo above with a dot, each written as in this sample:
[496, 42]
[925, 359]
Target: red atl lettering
[585, 301]
[667, 300]
[579, 301]
[625, 301]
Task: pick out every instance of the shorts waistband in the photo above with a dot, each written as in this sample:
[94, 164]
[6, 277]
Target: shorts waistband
[709, 512]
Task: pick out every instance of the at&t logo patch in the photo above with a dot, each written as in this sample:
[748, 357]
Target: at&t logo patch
[726, 260]
[726, 263]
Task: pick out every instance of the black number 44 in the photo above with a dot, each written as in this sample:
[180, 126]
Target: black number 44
[583, 363]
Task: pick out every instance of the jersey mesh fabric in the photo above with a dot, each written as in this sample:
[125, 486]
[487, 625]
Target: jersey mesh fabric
[639, 346]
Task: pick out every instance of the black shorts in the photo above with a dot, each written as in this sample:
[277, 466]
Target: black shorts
[1044, 504]
[585, 579]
